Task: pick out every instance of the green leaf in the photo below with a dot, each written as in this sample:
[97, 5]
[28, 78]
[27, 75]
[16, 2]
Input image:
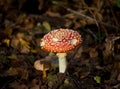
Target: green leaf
[46, 25]
[97, 79]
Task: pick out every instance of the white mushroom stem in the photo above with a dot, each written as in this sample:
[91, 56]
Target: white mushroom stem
[62, 62]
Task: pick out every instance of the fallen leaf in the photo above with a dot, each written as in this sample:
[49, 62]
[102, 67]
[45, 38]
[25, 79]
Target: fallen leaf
[93, 53]
[20, 35]
[21, 18]
[7, 42]
[35, 87]
[109, 47]
[8, 31]
[24, 49]
[15, 42]
[46, 25]
[52, 14]
[33, 50]
[24, 43]
[17, 71]
[97, 79]
[18, 85]
[70, 16]
[12, 56]
[118, 78]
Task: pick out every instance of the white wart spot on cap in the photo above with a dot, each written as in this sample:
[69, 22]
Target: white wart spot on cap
[73, 41]
[42, 44]
[55, 39]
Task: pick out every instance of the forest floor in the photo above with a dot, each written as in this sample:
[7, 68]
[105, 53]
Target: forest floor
[95, 64]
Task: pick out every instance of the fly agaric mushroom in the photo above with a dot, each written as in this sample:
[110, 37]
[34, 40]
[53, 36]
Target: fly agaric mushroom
[42, 66]
[61, 41]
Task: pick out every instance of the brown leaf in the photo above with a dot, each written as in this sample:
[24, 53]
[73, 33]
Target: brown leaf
[15, 43]
[40, 6]
[21, 3]
[8, 31]
[70, 16]
[24, 49]
[118, 78]
[52, 14]
[109, 46]
[23, 73]
[17, 85]
[93, 53]
[21, 18]
[12, 71]
[20, 35]
[99, 17]
[7, 42]
[79, 52]
[35, 87]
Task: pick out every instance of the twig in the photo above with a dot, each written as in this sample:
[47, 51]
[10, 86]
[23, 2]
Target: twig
[85, 16]
[95, 19]
[90, 18]
[78, 13]
[116, 21]
[93, 14]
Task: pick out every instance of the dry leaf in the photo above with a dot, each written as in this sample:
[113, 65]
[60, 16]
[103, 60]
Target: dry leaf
[41, 3]
[68, 23]
[21, 18]
[12, 56]
[24, 49]
[24, 43]
[93, 53]
[116, 65]
[7, 42]
[20, 44]
[20, 35]
[12, 71]
[17, 85]
[46, 25]
[21, 3]
[52, 14]
[15, 42]
[29, 26]
[84, 75]
[118, 78]
[8, 31]
[99, 17]
[35, 87]
[17, 71]
[79, 52]
[70, 16]
[109, 46]
[14, 85]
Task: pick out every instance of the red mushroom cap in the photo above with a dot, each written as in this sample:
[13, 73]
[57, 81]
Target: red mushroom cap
[61, 40]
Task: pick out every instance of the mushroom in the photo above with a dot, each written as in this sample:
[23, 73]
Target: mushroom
[42, 66]
[61, 41]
